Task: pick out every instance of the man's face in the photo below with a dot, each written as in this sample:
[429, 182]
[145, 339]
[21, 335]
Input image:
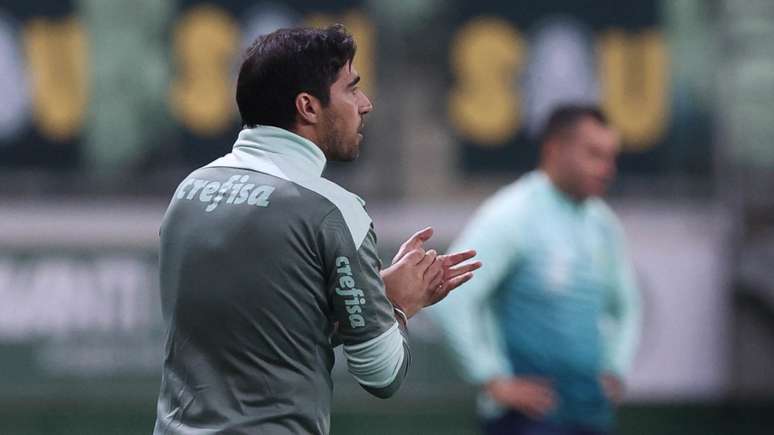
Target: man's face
[343, 118]
[589, 157]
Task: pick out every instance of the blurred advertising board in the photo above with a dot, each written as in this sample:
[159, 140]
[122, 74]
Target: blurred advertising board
[156, 81]
[74, 316]
[511, 63]
[80, 313]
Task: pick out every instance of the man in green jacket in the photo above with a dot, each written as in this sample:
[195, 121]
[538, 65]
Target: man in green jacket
[266, 265]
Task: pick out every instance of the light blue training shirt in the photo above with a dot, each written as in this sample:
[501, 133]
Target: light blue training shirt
[555, 298]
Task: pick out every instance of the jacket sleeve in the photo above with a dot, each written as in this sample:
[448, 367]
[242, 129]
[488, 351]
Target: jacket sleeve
[466, 318]
[621, 324]
[375, 343]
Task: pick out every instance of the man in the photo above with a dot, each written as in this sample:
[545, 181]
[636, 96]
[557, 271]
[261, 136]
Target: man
[547, 329]
[265, 264]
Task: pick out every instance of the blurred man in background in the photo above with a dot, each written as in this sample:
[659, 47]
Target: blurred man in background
[265, 264]
[548, 328]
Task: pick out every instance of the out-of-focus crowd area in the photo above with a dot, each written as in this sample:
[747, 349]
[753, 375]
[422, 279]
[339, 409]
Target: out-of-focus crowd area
[106, 104]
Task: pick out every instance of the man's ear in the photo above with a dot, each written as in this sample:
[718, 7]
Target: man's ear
[308, 108]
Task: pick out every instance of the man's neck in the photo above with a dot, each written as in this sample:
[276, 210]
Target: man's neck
[562, 186]
[310, 133]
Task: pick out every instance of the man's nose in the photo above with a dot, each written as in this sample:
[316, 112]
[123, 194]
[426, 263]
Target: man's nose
[366, 105]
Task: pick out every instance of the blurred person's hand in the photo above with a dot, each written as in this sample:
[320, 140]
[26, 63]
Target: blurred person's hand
[613, 387]
[436, 275]
[532, 396]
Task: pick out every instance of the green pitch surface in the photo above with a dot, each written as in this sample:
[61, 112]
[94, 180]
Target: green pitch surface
[106, 418]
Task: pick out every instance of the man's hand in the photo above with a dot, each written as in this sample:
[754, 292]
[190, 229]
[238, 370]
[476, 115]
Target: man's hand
[451, 275]
[612, 387]
[533, 397]
[406, 281]
[414, 243]
[442, 275]
[446, 273]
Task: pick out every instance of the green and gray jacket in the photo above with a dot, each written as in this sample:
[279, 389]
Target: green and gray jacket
[264, 266]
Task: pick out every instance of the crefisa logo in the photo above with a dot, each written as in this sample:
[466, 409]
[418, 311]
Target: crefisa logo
[347, 289]
[236, 190]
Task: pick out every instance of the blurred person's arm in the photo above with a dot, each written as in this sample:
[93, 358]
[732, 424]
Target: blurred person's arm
[466, 319]
[468, 322]
[621, 325]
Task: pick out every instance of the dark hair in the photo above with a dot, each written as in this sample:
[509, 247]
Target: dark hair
[280, 65]
[565, 117]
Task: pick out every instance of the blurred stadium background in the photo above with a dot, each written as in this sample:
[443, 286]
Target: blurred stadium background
[106, 104]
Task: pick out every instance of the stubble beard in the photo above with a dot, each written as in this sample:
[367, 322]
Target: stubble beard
[339, 147]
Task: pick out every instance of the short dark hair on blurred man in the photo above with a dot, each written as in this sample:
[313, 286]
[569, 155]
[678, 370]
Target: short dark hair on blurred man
[284, 63]
[565, 117]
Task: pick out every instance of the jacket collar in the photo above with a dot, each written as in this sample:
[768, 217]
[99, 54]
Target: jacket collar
[286, 148]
